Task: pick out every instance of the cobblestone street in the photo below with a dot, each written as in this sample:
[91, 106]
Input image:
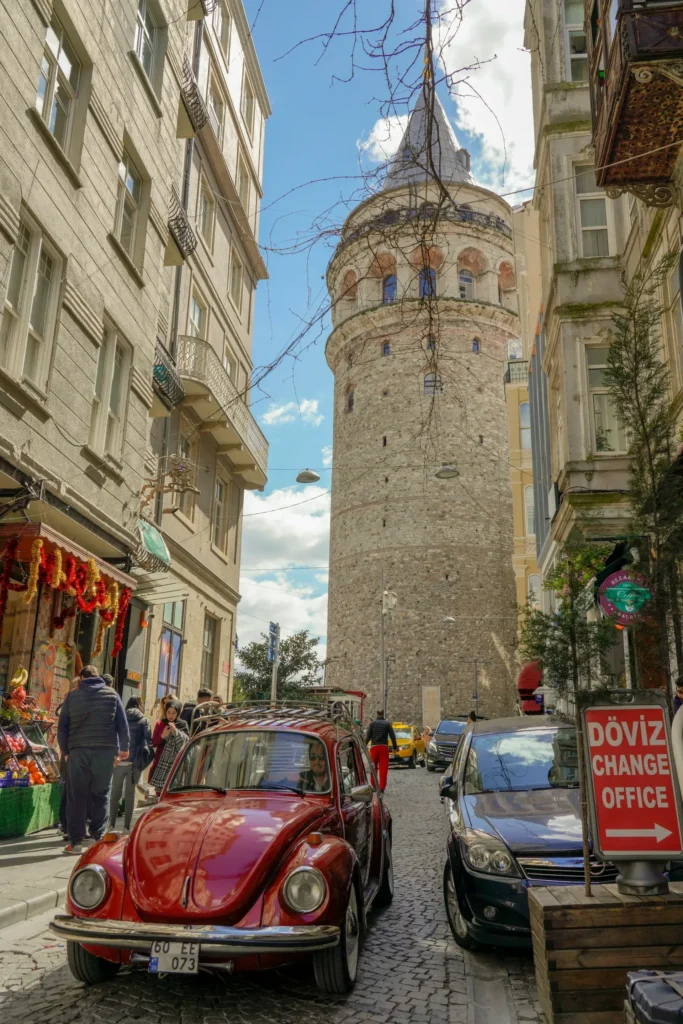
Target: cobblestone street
[411, 970]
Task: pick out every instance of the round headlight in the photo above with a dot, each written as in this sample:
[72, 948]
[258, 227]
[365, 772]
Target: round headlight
[88, 887]
[305, 890]
[479, 857]
[501, 861]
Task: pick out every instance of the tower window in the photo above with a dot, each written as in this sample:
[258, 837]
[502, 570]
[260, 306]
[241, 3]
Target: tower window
[384, 522]
[389, 287]
[384, 442]
[386, 479]
[433, 384]
[431, 344]
[466, 284]
[386, 348]
[350, 401]
[475, 344]
[385, 393]
[427, 283]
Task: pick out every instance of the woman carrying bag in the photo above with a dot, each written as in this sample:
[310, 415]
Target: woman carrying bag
[128, 772]
[173, 737]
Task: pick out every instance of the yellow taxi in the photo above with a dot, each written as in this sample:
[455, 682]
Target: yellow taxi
[411, 746]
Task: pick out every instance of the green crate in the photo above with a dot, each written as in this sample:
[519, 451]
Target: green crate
[23, 811]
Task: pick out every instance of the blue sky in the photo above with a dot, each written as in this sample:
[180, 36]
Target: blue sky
[316, 131]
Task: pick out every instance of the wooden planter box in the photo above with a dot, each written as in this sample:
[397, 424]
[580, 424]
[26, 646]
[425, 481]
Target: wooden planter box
[585, 946]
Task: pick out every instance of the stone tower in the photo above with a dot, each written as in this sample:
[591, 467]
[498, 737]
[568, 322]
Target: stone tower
[424, 299]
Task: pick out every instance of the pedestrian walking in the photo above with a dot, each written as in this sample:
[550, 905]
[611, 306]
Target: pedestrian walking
[471, 718]
[127, 771]
[160, 725]
[379, 733]
[173, 738]
[91, 732]
[203, 695]
[678, 696]
[426, 736]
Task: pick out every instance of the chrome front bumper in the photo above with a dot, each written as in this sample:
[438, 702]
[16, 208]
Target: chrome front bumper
[211, 938]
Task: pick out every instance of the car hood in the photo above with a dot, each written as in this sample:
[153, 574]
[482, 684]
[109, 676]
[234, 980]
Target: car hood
[226, 845]
[529, 822]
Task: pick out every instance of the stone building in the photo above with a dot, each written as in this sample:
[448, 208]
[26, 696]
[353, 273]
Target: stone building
[425, 306]
[128, 213]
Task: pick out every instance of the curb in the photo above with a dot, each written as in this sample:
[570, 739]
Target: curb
[21, 910]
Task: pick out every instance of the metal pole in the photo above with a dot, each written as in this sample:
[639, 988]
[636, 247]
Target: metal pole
[627, 660]
[382, 665]
[583, 797]
[476, 685]
[276, 662]
[386, 687]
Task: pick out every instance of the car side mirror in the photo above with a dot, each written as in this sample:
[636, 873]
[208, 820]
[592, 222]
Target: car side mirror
[362, 794]
[448, 787]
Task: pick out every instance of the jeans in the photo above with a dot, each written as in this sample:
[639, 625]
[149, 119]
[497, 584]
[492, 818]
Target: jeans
[89, 773]
[125, 781]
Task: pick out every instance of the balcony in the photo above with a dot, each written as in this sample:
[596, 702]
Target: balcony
[168, 387]
[222, 411]
[183, 240]
[636, 79]
[193, 105]
[516, 371]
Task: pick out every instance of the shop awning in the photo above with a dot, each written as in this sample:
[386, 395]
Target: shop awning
[160, 587]
[52, 539]
[151, 553]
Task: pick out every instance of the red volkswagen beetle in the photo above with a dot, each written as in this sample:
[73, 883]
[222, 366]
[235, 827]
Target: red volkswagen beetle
[270, 843]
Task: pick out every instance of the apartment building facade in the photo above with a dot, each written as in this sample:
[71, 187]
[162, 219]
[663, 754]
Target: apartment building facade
[128, 262]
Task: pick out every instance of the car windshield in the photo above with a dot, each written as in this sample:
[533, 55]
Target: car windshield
[254, 759]
[447, 729]
[529, 759]
[402, 734]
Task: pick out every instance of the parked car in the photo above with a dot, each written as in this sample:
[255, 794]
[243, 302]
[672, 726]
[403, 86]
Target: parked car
[442, 746]
[270, 843]
[512, 806]
[411, 746]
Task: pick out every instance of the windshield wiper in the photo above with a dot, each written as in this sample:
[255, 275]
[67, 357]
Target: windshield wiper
[187, 789]
[282, 789]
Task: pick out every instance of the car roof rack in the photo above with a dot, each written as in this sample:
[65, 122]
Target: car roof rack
[283, 712]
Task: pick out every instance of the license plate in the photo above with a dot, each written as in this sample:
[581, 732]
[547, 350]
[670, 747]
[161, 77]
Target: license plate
[174, 958]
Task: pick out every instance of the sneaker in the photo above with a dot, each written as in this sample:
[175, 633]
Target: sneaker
[74, 848]
[125, 830]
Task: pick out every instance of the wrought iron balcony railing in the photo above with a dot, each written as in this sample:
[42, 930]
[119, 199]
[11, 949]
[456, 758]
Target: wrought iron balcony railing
[179, 226]
[166, 377]
[517, 371]
[198, 364]
[192, 98]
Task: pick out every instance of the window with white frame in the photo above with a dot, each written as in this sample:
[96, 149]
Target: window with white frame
[187, 452]
[236, 279]
[632, 209]
[146, 38]
[676, 311]
[60, 72]
[221, 26]
[230, 364]
[524, 426]
[30, 311]
[248, 104]
[128, 205]
[197, 317]
[208, 652]
[243, 183]
[107, 416]
[529, 510]
[216, 106]
[577, 51]
[236, 495]
[219, 517]
[608, 431]
[591, 213]
[466, 284]
[206, 213]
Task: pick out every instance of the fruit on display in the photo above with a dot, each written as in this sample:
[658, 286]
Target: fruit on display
[35, 773]
[14, 743]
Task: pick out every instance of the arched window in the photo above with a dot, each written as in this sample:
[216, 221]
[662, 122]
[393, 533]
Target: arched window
[524, 426]
[431, 344]
[349, 286]
[427, 283]
[386, 348]
[466, 283]
[475, 344]
[534, 591]
[350, 401]
[389, 286]
[530, 510]
[433, 384]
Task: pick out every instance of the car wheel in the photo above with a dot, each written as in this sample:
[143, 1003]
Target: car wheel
[413, 761]
[385, 893]
[87, 967]
[336, 969]
[459, 926]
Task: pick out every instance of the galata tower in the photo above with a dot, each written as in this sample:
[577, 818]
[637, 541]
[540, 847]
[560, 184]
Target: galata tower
[424, 307]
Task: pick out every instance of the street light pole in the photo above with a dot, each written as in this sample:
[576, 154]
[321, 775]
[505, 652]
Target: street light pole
[382, 665]
[274, 657]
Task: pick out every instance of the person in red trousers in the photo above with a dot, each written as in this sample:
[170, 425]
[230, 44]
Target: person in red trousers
[379, 733]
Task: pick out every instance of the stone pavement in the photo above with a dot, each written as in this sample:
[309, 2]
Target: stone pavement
[411, 971]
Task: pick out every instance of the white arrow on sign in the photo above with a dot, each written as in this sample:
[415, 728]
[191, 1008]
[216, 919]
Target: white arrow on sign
[658, 833]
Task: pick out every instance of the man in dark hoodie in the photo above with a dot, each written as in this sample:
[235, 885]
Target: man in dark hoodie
[92, 732]
[127, 771]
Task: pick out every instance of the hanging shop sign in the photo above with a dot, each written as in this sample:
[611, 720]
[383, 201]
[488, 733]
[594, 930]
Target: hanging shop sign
[625, 595]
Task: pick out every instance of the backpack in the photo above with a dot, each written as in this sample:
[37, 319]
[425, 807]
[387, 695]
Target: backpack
[144, 754]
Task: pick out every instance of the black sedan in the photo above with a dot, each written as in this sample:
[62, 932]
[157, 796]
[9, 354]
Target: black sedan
[512, 804]
[441, 747]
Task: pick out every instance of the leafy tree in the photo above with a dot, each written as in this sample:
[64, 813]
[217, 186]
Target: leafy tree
[639, 383]
[297, 669]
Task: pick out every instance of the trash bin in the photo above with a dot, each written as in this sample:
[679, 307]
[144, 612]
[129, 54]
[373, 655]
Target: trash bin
[656, 997]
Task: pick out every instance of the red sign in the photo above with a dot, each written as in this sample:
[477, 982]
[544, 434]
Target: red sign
[636, 810]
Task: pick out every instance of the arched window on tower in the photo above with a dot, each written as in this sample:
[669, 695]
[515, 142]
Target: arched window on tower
[386, 348]
[350, 400]
[433, 384]
[427, 283]
[431, 344]
[475, 345]
[389, 287]
[466, 284]
[530, 510]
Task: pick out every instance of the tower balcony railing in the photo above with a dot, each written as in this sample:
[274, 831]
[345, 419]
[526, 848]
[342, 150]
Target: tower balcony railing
[222, 410]
[516, 371]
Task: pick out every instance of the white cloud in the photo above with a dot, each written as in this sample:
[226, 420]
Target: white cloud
[327, 455]
[298, 533]
[295, 606]
[307, 410]
[384, 139]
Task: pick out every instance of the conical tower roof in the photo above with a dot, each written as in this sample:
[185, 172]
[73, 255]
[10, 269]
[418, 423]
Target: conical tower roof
[412, 164]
